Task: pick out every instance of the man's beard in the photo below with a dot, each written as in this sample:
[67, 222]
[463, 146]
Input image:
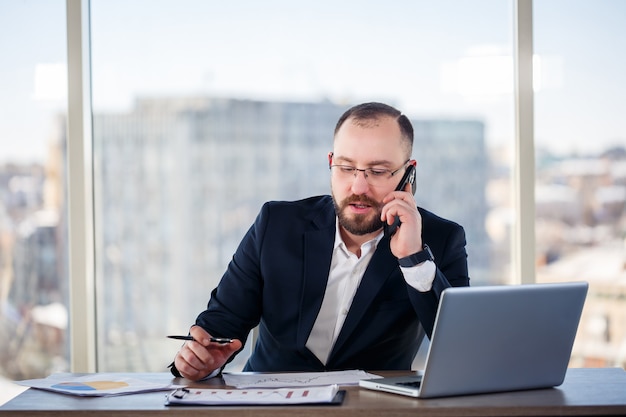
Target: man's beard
[358, 224]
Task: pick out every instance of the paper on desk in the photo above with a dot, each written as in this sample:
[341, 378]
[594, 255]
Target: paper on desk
[94, 385]
[211, 396]
[294, 379]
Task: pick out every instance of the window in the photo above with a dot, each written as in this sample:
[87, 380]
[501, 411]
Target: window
[581, 166]
[33, 221]
[204, 112]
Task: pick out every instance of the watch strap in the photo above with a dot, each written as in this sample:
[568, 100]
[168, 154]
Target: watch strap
[417, 258]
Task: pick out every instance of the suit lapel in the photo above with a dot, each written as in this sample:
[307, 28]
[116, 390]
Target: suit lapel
[318, 248]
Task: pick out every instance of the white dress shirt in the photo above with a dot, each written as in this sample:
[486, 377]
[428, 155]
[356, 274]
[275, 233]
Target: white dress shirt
[346, 271]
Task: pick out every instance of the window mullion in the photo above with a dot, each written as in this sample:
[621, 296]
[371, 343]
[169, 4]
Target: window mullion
[80, 190]
[523, 244]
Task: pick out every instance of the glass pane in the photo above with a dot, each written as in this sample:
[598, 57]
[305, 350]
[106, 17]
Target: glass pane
[33, 223]
[204, 110]
[581, 165]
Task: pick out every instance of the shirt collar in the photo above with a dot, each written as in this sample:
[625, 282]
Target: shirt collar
[365, 247]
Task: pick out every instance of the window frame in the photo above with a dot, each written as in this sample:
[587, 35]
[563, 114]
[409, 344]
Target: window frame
[82, 306]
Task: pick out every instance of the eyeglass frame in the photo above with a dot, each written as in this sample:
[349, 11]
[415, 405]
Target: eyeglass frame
[355, 170]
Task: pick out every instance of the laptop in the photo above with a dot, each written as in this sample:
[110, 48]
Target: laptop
[496, 338]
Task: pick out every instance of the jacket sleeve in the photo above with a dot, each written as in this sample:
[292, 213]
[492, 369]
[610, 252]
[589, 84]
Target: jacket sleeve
[450, 255]
[235, 304]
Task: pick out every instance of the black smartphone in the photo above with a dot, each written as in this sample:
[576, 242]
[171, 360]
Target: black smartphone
[409, 176]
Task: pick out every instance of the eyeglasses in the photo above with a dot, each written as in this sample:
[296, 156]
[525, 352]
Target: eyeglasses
[375, 177]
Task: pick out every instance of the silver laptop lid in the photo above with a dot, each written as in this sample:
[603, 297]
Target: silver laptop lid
[502, 338]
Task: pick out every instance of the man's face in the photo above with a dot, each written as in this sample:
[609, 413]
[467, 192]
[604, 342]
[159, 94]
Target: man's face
[375, 144]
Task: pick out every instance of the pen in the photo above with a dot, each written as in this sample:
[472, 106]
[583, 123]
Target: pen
[213, 339]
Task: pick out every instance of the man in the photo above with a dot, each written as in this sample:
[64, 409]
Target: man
[327, 287]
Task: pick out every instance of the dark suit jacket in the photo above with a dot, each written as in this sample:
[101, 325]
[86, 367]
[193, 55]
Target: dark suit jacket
[277, 279]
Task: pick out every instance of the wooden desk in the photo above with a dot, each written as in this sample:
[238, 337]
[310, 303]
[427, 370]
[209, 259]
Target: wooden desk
[585, 392]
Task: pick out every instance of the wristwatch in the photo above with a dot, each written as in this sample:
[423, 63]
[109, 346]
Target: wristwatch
[417, 258]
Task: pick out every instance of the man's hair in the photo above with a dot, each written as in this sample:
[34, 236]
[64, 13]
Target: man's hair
[372, 111]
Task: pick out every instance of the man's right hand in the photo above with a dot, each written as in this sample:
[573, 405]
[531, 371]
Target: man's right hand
[199, 357]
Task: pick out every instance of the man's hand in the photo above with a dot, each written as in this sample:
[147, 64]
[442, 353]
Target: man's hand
[408, 238]
[199, 357]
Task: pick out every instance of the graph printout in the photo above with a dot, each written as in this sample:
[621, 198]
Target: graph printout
[295, 379]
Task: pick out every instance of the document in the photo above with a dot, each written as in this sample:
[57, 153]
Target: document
[94, 385]
[329, 394]
[294, 379]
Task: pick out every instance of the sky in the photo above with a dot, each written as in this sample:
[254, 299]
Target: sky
[445, 59]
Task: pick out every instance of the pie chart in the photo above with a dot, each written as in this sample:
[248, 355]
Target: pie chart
[90, 386]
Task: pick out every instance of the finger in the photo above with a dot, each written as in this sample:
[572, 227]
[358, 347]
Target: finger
[222, 351]
[388, 216]
[194, 354]
[394, 207]
[185, 368]
[405, 194]
[200, 335]
[189, 372]
[215, 354]
[234, 346]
